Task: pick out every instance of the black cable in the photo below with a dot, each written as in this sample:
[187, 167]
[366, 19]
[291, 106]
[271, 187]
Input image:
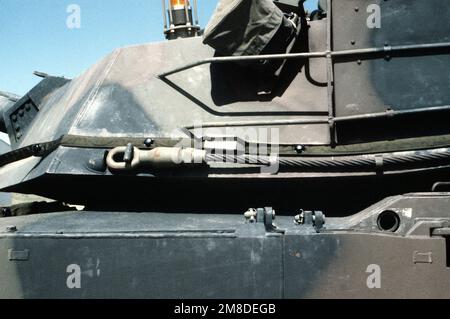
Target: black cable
[346, 163]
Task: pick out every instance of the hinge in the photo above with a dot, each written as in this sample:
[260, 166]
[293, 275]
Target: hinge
[263, 215]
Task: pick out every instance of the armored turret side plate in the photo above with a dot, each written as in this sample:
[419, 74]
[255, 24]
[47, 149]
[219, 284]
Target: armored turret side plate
[391, 80]
[122, 95]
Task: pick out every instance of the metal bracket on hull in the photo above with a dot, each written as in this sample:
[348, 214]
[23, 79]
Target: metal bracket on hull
[263, 215]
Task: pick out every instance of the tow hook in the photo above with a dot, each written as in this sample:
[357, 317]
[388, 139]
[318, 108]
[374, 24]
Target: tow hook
[130, 157]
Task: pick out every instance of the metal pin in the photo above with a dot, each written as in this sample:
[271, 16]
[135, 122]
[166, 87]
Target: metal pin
[129, 154]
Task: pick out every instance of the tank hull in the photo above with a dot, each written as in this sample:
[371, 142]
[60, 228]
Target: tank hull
[197, 256]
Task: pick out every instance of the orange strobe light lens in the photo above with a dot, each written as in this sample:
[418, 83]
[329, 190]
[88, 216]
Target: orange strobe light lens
[175, 4]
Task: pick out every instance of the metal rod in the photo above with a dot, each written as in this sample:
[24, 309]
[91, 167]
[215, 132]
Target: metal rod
[392, 113]
[320, 121]
[330, 71]
[228, 59]
[258, 123]
[170, 16]
[196, 12]
[186, 12]
[179, 27]
[439, 185]
[309, 55]
[164, 14]
[389, 49]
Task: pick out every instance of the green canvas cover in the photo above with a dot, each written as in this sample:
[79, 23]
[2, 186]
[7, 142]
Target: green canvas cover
[244, 27]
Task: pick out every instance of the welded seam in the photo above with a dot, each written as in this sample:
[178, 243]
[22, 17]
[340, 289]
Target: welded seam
[94, 92]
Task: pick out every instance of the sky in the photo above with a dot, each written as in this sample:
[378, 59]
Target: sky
[34, 35]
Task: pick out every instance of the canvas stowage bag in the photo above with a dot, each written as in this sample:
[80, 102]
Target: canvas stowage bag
[248, 27]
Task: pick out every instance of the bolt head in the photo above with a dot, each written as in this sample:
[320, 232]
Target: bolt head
[300, 218]
[6, 212]
[37, 148]
[11, 229]
[300, 148]
[250, 213]
[148, 142]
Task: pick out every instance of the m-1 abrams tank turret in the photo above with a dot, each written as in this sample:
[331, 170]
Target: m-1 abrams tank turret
[274, 154]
